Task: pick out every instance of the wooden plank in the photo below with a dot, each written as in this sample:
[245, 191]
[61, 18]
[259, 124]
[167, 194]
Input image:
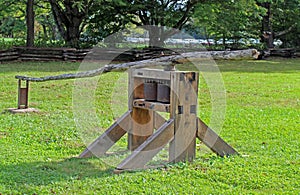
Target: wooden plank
[213, 141]
[142, 127]
[9, 53]
[38, 59]
[108, 138]
[151, 74]
[6, 58]
[23, 95]
[183, 146]
[142, 123]
[145, 152]
[155, 106]
[49, 56]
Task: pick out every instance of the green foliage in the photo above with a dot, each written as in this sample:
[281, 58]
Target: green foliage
[96, 19]
[12, 19]
[286, 17]
[105, 19]
[169, 14]
[7, 43]
[37, 150]
[233, 20]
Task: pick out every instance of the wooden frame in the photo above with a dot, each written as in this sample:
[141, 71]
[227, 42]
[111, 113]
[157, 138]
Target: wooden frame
[140, 122]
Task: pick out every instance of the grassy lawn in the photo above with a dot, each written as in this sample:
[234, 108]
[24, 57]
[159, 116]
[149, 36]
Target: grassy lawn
[38, 150]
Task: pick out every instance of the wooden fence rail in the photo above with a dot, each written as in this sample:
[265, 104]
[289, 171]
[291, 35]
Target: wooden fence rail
[72, 54]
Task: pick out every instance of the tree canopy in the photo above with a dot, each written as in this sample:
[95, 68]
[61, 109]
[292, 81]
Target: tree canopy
[88, 21]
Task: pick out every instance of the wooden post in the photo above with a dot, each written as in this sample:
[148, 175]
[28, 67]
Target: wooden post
[23, 95]
[183, 108]
[142, 127]
[142, 120]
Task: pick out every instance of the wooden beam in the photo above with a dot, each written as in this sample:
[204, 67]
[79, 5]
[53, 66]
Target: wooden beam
[213, 141]
[184, 110]
[145, 152]
[162, 61]
[142, 127]
[151, 74]
[108, 138]
[155, 106]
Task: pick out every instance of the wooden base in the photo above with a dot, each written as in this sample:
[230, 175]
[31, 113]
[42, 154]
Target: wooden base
[147, 150]
[22, 110]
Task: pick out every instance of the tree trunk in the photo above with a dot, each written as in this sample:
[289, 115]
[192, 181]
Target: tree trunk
[69, 21]
[30, 23]
[45, 31]
[266, 29]
[156, 36]
[73, 33]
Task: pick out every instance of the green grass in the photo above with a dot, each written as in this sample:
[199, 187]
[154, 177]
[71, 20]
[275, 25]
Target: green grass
[262, 123]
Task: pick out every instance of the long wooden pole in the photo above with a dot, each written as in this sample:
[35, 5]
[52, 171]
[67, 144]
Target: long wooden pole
[162, 61]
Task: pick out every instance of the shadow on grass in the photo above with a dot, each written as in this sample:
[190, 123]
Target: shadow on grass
[44, 173]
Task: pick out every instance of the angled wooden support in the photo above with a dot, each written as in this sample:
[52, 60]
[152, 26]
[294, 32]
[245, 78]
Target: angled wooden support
[208, 137]
[109, 137]
[213, 141]
[146, 151]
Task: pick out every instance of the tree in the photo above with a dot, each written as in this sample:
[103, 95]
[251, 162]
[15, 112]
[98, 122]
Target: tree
[159, 17]
[30, 23]
[286, 23]
[70, 16]
[281, 19]
[105, 18]
[233, 20]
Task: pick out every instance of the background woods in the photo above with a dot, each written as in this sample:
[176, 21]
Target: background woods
[83, 23]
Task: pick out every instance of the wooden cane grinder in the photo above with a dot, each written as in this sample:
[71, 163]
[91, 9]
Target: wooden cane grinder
[150, 92]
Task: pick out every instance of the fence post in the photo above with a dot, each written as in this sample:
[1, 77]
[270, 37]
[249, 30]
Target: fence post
[23, 95]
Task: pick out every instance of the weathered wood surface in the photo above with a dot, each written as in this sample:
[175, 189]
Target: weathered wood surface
[109, 138]
[184, 88]
[142, 127]
[162, 61]
[146, 151]
[155, 106]
[213, 141]
[9, 55]
[283, 52]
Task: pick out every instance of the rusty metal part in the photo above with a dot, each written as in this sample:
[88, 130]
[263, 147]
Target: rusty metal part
[150, 91]
[163, 93]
